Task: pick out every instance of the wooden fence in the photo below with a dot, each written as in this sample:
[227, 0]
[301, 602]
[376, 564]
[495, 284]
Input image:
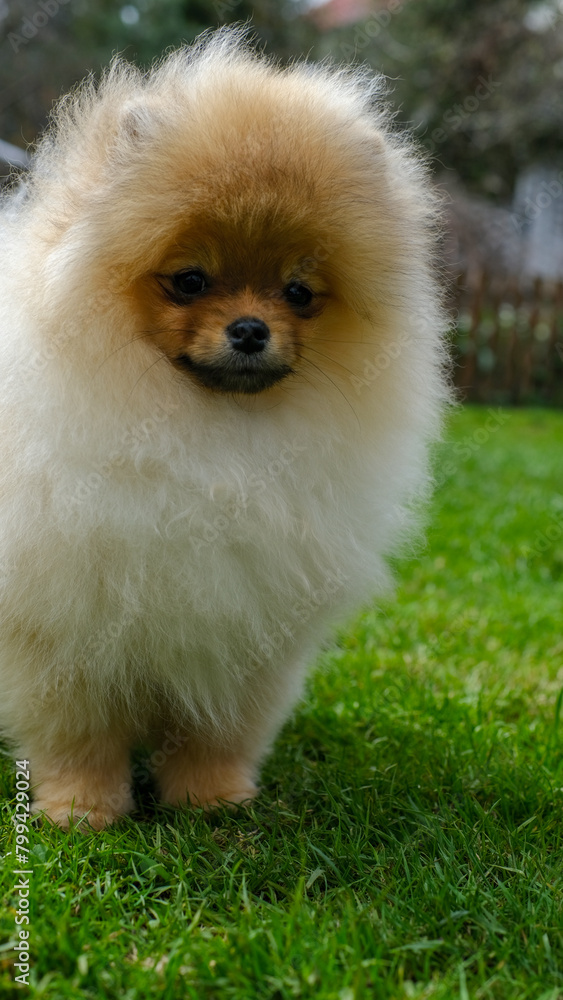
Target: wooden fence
[508, 340]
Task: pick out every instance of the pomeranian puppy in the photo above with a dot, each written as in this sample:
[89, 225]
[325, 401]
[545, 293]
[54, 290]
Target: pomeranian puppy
[222, 366]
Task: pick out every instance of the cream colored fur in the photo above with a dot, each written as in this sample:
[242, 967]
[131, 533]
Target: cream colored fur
[170, 557]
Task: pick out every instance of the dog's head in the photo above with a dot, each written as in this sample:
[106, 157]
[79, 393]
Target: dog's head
[258, 222]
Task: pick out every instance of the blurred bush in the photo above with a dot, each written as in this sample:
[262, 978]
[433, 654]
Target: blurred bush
[480, 80]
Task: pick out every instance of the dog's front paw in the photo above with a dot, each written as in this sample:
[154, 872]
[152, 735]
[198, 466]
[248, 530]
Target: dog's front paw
[81, 801]
[188, 795]
[215, 784]
[78, 816]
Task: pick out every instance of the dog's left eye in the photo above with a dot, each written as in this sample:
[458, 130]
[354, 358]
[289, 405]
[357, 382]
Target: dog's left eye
[298, 295]
[189, 282]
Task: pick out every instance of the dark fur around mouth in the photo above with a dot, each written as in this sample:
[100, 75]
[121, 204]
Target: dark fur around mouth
[247, 374]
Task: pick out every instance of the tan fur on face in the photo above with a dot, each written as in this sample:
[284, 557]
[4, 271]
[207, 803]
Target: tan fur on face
[172, 554]
[248, 271]
[199, 328]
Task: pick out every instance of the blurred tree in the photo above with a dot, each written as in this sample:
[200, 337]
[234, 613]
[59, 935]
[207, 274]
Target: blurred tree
[48, 45]
[479, 79]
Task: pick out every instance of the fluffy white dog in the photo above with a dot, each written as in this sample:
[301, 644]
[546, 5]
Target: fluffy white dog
[222, 364]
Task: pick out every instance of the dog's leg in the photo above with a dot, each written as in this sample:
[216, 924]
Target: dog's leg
[202, 768]
[90, 784]
[205, 774]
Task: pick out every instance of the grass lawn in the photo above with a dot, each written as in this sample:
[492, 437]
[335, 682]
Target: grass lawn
[409, 838]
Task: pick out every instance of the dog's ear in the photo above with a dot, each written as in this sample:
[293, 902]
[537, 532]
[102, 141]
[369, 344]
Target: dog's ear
[136, 128]
[136, 123]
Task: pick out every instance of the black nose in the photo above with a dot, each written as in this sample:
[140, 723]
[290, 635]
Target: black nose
[248, 334]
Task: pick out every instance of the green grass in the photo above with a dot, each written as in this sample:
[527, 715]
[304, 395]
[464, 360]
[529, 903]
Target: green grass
[409, 838]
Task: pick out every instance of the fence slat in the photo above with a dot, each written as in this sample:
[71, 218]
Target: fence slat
[508, 339]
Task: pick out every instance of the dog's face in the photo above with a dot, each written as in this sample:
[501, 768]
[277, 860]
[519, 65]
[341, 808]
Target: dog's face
[233, 304]
[252, 232]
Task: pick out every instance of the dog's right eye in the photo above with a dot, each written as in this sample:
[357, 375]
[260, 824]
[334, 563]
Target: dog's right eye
[189, 282]
[298, 295]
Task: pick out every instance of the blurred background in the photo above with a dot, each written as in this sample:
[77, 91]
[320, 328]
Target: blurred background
[480, 82]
